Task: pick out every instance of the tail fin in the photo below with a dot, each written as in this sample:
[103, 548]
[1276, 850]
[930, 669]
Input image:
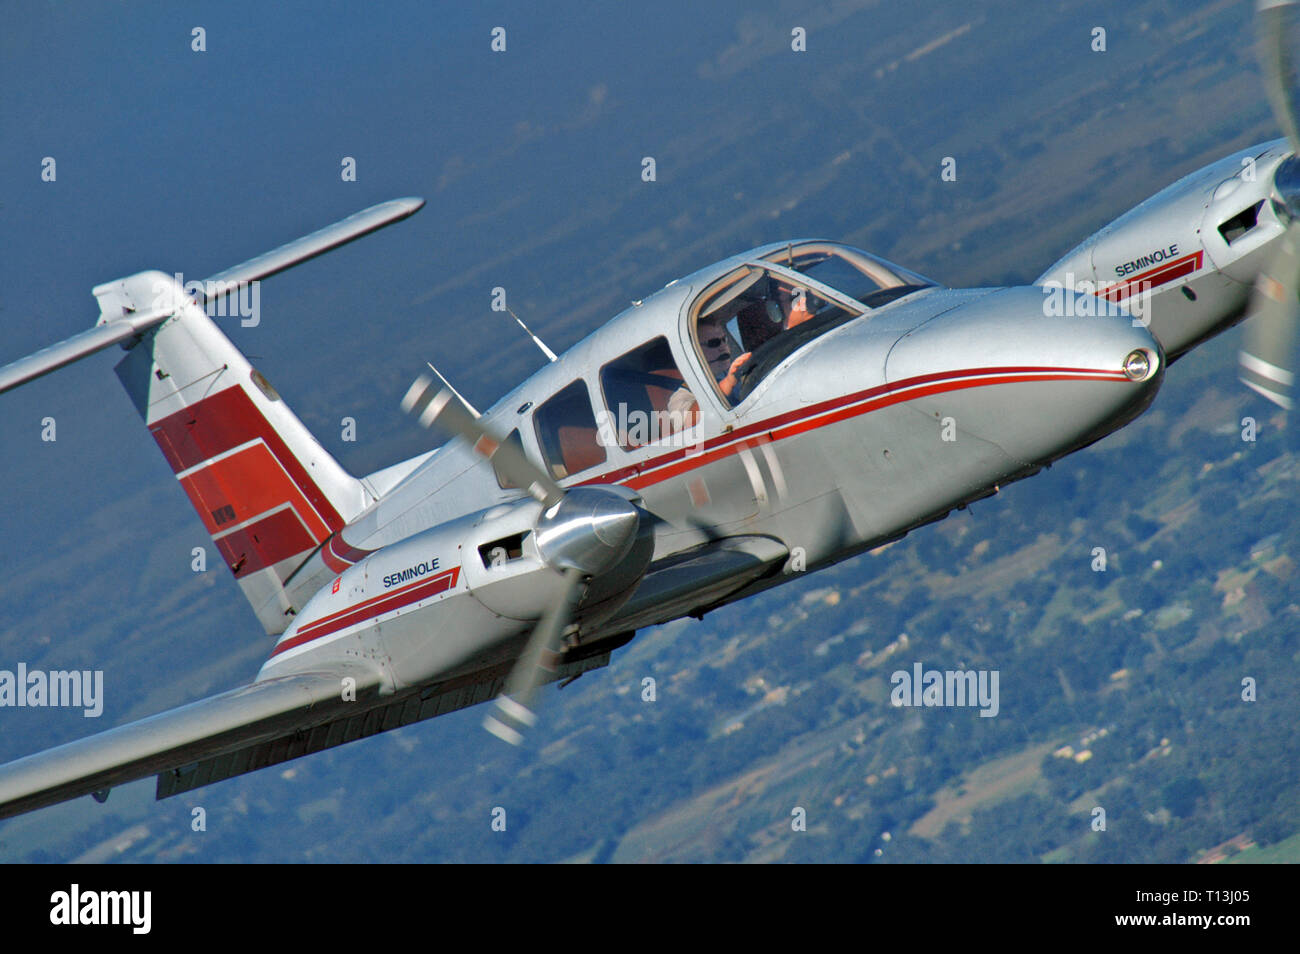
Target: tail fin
[266, 490]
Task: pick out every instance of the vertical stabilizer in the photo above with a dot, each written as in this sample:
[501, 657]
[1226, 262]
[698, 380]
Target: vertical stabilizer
[265, 489]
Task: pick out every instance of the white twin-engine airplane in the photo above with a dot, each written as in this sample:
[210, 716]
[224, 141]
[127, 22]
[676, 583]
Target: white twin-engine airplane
[781, 410]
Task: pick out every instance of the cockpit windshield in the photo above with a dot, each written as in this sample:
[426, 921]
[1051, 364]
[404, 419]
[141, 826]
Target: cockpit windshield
[749, 321]
[862, 277]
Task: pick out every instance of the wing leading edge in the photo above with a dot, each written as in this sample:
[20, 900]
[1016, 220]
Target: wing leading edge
[178, 737]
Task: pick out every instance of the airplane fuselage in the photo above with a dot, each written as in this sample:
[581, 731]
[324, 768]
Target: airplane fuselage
[877, 426]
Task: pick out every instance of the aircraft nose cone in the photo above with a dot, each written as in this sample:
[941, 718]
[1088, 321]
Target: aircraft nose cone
[1036, 376]
[590, 530]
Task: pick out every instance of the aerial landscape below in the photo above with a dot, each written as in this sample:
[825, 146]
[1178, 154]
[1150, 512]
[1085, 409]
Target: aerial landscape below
[1127, 614]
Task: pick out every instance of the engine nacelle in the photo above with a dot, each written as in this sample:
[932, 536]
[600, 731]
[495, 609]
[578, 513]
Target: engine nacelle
[1184, 260]
[461, 596]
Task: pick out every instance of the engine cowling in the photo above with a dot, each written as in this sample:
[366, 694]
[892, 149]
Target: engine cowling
[1184, 260]
[454, 597]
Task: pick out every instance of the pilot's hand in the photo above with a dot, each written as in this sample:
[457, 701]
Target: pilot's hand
[728, 384]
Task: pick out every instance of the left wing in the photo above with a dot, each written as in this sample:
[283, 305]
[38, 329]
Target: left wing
[178, 737]
[254, 727]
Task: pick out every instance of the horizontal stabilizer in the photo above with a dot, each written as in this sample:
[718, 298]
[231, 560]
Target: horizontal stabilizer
[309, 246]
[117, 327]
[75, 348]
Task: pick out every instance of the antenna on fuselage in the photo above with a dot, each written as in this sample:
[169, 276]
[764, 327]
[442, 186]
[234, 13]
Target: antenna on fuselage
[452, 389]
[536, 340]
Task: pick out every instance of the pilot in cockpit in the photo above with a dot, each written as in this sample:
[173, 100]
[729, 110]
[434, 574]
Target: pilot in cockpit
[783, 307]
[682, 406]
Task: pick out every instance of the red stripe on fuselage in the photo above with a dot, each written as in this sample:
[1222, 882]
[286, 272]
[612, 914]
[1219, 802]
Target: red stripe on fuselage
[371, 608]
[679, 461]
[338, 554]
[330, 560]
[1153, 278]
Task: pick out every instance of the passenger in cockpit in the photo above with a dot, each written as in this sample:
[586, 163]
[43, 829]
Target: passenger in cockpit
[794, 305]
[682, 406]
[780, 310]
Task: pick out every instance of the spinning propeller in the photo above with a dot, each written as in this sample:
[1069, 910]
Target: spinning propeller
[583, 532]
[1267, 356]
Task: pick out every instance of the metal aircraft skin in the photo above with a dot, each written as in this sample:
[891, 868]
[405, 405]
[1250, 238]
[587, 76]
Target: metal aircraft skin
[771, 414]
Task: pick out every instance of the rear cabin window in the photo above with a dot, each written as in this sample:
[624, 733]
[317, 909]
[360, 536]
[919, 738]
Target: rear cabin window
[645, 397]
[567, 433]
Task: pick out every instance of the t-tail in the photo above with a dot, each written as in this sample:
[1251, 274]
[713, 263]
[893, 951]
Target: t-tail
[267, 492]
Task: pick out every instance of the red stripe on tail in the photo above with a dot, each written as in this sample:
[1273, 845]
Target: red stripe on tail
[223, 421]
[264, 543]
[242, 486]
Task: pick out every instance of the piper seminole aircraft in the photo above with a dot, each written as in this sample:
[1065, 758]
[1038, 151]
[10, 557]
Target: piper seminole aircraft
[775, 412]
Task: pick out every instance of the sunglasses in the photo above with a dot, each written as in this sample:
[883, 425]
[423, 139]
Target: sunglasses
[714, 342]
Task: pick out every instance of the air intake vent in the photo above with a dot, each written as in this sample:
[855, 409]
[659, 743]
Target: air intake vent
[1241, 223]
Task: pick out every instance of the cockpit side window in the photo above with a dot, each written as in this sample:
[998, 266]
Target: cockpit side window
[829, 269]
[645, 397]
[860, 276]
[567, 433]
[751, 320]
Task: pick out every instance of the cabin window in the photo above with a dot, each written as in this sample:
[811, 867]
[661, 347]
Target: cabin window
[567, 433]
[752, 320]
[820, 264]
[645, 397]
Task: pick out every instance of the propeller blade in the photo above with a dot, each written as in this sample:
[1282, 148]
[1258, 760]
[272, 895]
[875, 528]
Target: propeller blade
[1279, 75]
[1267, 356]
[1266, 360]
[448, 410]
[535, 663]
